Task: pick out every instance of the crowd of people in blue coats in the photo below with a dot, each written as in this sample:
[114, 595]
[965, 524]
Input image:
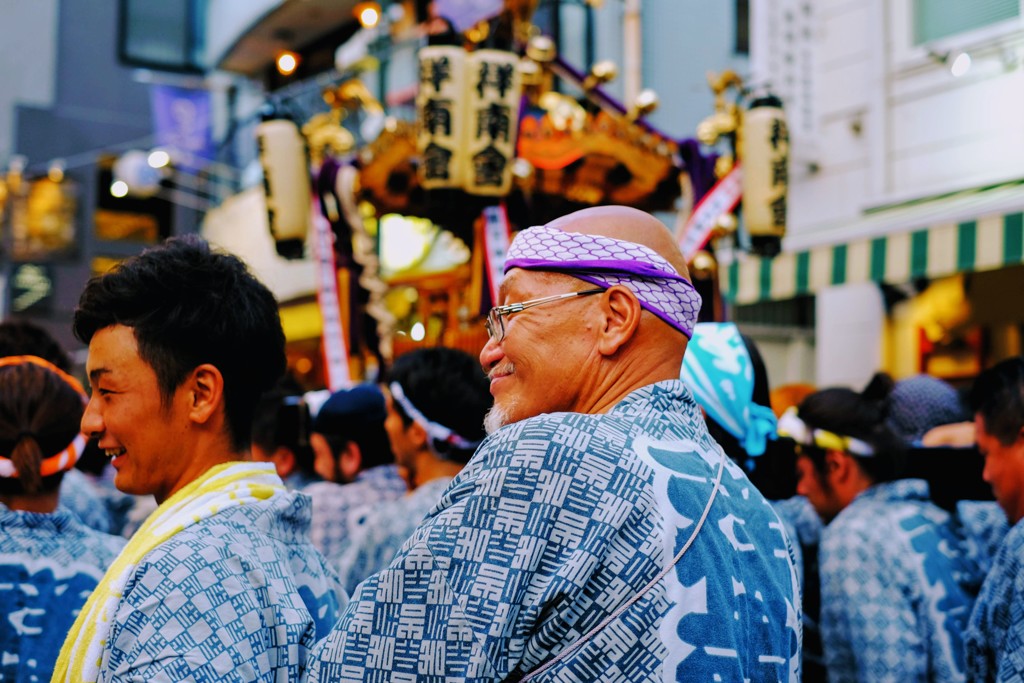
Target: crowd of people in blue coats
[611, 491]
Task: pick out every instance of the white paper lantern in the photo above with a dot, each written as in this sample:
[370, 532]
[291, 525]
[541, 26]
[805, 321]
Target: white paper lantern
[765, 157]
[441, 116]
[492, 91]
[286, 181]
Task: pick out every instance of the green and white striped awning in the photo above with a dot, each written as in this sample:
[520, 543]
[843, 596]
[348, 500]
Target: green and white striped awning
[987, 242]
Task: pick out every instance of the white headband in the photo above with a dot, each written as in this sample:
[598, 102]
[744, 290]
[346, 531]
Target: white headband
[436, 431]
[790, 425]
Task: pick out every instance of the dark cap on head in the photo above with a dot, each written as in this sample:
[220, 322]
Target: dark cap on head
[919, 403]
[363, 403]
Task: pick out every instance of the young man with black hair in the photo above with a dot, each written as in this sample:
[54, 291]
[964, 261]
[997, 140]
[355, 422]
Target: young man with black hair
[220, 582]
[436, 400]
[995, 632]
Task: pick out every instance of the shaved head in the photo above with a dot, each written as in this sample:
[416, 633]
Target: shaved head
[625, 223]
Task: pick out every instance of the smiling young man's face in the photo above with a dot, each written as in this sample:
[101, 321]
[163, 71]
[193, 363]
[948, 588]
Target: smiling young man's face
[125, 414]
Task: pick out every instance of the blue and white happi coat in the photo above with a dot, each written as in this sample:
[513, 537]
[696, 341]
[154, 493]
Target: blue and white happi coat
[995, 634]
[80, 496]
[557, 521]
[378, 532]
[49, 564]
[982, 527]
[239, 596]
[802, 524]
[894, 589]
[334, 504]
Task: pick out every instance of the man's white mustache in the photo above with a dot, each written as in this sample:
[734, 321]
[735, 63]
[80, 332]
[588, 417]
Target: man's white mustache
[501, 371]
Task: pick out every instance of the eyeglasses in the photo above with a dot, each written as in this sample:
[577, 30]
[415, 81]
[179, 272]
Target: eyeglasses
[495, 322]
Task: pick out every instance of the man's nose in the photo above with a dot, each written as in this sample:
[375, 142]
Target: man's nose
[490, 354]
[92, 422]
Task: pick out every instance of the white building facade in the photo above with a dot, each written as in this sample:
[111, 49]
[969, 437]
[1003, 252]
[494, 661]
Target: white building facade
[906, 175]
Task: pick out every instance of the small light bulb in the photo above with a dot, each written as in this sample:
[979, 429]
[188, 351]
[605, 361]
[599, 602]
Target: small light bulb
[158, 158]
[418, 332]
[368, 17]
[119, 188]
[287, 62]
[56, 171]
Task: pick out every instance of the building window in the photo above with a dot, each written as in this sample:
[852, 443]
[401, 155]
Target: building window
[935, 19]
[742, 42]
[166, 35]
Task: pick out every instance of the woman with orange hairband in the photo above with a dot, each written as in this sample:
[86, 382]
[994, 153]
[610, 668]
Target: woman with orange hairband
[49, 561]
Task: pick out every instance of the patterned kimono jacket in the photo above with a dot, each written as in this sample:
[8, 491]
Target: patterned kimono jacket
[334, 503]
[78, 495]
[557, 522]
[49, 563]
[995, 635]
[378, 531]
[895, 594]
[239, 596]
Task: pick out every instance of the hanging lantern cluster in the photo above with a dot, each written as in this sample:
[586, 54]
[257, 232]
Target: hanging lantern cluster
[468, 112]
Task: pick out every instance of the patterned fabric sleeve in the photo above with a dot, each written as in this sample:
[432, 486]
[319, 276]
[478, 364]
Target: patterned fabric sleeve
[868, 626]
[995, 634]
[224, 601]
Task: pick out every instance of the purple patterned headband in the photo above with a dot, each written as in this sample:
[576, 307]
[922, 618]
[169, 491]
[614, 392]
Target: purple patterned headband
[605, 262]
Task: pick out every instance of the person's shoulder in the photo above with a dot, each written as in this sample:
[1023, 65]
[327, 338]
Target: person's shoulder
[549, 441]
[59, 535]
[879, 523]
[320, 488]
[858, 525]
[222, 546]
[1013, 543]
[798, 513]
[1005, 581]
[1015, 534]
[561, 427]
[102, 544]
[325, 495]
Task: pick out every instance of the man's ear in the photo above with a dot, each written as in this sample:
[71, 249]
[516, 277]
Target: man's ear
[417, 434]
[350, 461]
[621, 312]
[205, 393]
[284, 461]
[838, 466]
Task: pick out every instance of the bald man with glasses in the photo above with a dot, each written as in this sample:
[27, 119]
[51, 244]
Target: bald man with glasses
[598, 532]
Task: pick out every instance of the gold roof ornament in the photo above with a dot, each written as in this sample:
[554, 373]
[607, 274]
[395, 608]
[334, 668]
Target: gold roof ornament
[600, 73]
[387, 177]
[596, 158]
[725, 122]
[325, 136]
